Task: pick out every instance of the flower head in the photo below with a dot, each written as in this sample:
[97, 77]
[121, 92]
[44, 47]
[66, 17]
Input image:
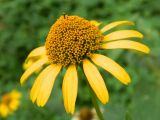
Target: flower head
[85, 113]
[9, 103]
[72, 40]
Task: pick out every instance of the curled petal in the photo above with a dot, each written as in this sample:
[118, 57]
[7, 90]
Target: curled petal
[37, 52]
[32, 69]
[34, 56]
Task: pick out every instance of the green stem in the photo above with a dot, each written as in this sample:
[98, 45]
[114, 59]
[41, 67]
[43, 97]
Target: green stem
[94, 101]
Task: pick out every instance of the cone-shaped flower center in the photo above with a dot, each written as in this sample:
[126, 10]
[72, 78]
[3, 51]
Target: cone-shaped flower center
[71, 39]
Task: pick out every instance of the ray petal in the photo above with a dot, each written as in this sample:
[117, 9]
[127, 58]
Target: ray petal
[96, 81]
[32, 69]
[96, 23]
[115, 24]
[122, 34]
[14, 104]
[37, 52]
[126, 44]
[4, 110]
[112, 67]
[47, 85]
[70, 88]
[38, 82]
[15, 94]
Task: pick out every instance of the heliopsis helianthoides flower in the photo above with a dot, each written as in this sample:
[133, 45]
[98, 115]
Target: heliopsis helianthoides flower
[9, 103]
[85, 113]
[74, 41]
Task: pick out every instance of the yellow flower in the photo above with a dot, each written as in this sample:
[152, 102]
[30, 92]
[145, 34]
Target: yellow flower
[9, 103]
[71, 41]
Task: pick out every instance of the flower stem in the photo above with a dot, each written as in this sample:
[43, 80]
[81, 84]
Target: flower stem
[95, 103]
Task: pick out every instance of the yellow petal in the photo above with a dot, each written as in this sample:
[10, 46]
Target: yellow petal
[70, 88]
[14, 104]
[112, 67]
[47, 85]
[4, 110]
[38, 83]
[15, 94]
[37, 52]
[96, 23]
[96, 81]
[127, 44]
[27, 64]
[30, 61]
[115, 24]
[34, 55]
[32, 69]
[122, 34]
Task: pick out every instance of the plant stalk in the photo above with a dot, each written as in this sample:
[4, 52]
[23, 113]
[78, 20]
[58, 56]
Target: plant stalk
[95, 103]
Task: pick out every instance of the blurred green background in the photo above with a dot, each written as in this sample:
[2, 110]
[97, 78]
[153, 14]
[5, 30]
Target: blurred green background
[24, 25]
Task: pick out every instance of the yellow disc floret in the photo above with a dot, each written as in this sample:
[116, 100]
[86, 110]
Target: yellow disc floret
[71, 39]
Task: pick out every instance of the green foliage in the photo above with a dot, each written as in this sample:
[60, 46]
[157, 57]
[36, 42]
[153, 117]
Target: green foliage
[24, 25]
